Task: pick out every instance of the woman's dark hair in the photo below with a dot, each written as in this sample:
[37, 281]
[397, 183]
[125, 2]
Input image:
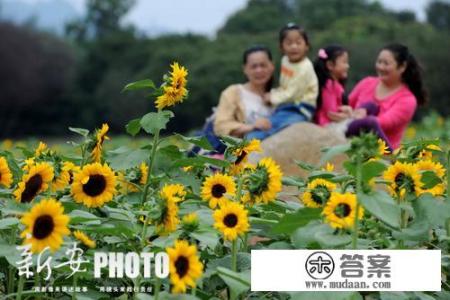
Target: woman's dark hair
[329, 53]
[292, 26]
[259, 48]
[412, 76]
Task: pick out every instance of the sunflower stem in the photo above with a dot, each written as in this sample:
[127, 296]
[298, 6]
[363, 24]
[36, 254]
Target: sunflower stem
[358, 192]
[11, 277]
[157, 287]
[20, 288]
[234, 255]
[74, 283]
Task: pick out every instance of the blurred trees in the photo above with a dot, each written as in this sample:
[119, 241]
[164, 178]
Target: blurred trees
[438, 14]
[47, 84]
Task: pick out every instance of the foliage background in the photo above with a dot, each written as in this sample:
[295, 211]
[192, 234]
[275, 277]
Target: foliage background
[48, 83]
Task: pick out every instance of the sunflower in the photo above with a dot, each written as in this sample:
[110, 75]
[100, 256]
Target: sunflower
[403, 176]
[99, 139]
[82, 237]
[40, 149]
[438, 170]
[94, 185]
[215, 188]
[427, 153]
[46, 225]
[29, 162]
[329, 167]
[184, 266]
[35, 181]
[267, 188]
[242, 154]
[175, 89]
[318, 192]
[231, 219]
[340, 210]
[175, 191]
[383, 149]
[170, 194]
[60, 182]
[72, 169]
[6, 177]
[190, 221]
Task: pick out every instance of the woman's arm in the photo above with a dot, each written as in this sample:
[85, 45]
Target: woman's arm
[226, 122]
[399, 114]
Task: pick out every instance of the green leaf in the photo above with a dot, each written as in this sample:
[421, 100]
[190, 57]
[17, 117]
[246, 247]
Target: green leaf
[325, 296]
[382, 206]
[305, 236]
[154, 122]
[290, 222]
[293, 181]
[327, 239]
[80, 131]
[237, 282]
[433, 210]
[124, 158]
[418, 231]
[305, 166]
[133, 127]
[430, 179]
[332, 152]
[372, 169]
[81, 216]
[200, 161]
[394, 296]
[207, 237]
[139, 85]
[8, 222]
[202, 141]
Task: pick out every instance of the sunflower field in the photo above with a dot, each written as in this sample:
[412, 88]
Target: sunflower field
[207, 214]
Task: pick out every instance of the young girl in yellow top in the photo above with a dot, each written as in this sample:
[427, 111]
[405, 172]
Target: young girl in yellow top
[295, 98]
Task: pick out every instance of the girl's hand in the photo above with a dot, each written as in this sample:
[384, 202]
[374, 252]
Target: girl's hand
[262, 124]
[346, 109]
[337, 116]
[266, 98]
[359, 113]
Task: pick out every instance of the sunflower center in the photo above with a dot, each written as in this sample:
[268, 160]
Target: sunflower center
[320, 194]
[230, 220]
[342, 210]
[182, 266]
[404, 181]
[241, 157]
[32, 187]
[95, 185]
[218, 190]
[43, 227]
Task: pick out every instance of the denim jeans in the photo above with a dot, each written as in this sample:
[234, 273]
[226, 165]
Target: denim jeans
[285, 115]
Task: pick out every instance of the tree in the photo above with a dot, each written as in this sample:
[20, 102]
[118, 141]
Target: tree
[438, 14]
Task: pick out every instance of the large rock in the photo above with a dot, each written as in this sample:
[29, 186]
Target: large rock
[302, 142]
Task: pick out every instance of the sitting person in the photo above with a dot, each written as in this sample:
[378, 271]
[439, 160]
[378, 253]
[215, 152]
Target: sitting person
[397, 90]
[241, 106]
[295, 98]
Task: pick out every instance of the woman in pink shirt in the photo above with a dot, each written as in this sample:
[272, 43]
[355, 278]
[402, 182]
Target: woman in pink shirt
[397, 90]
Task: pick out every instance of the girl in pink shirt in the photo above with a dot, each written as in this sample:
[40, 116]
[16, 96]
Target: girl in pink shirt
[397, 91]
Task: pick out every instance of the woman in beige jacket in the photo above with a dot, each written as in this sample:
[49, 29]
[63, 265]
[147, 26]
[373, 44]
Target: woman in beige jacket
[242, 108]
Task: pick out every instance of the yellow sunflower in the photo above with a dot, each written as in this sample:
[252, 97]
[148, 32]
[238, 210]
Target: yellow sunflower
[170, 194]
[242, 154]
[216, 187]
[62, 181]
[403, 176]
[438, 169]
[46, 225]
[94, 185]
[184, 266]
[29, 162]
[40, 149]
[99, 139]
[35, 181]
[6, 177]
[383, 149]
[72, 169]
[82, 237]
[231, 219]
[427, 153]
[143, 168]
[176, 91]
[268, 189]
[340, 210]
[329, 167]
[190, 221]
[318, 192]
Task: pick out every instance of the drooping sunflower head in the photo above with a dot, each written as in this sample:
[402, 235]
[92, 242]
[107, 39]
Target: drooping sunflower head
[42, 147]
[318, 192]
[170, 194]
[174, 191]
[62, 177]
[242, 152]
[143, 168]
[340, 210]
[403, 176]
[265, 183]
[216, 188]
[33, 182]
[184, 267]
[174, 89]
[383, 149]
[231, 219]
[72, 169]
[83, 238]
[100, 137]
[6, 177]
[427, 153]
[46, 225]
[94, 185]
[438, 170]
